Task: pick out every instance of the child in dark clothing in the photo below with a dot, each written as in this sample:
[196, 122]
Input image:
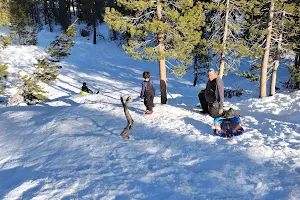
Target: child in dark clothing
[148, 92]
[84, 88]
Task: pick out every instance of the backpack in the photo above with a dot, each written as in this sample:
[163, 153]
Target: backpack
[149, 86]
[231, 113]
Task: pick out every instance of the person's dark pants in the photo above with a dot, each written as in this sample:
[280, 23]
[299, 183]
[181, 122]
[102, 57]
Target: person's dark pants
[213, 110]
[148, 100]
[203, 102]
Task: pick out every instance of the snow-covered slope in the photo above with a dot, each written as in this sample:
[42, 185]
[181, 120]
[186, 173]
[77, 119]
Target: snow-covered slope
[69, 148]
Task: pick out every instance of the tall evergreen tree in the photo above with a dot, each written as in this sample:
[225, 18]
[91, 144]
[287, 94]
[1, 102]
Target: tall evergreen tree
[285, 28]
[53, 11]
[260, 23]
[159, 30]
[265, 62]
[20, 22]
[64, 14]
[271, 26]
[48, 18]
[4, 13]
[293, 19]
[92, 12]
[202, 55]
[73, 6]
[227, 28]
[113, 4]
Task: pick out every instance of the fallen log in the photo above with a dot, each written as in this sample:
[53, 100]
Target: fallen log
[125, 133]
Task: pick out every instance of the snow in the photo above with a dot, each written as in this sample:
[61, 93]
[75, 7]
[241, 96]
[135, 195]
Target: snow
[70, 148]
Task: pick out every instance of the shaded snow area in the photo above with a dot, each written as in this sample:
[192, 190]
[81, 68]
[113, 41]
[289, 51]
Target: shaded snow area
[70, 148]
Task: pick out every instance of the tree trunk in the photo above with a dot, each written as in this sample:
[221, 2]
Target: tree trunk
[94, 23]
[114, 35]
[297, 59]
[53, 11]
[69, 9]
[195, 71]
[37, 14]
[13, 99]
[161, 58]
[264, 68]
[278, 54]
[50, 27]
[46, 12]
[36, 69]
[73, 5]
[223, 53]
[49, 14]
[114, 5]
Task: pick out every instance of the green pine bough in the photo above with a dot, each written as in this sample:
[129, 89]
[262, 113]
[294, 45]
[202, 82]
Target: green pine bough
[46, 70]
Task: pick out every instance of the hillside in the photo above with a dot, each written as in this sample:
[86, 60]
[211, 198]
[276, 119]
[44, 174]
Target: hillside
[69, 147]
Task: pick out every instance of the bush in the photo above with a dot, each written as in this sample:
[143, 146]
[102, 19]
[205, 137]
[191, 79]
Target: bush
[85, 33]
[294, 81]
[252, 77]
[3, 76]
[230, 93]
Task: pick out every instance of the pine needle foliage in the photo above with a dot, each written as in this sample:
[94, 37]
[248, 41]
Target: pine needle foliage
[47, 69]
[179, 26]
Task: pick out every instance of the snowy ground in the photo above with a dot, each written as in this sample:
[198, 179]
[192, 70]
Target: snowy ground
[69, 148]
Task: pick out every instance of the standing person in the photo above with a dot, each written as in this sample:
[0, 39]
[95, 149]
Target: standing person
[148, 92]
[212, 99]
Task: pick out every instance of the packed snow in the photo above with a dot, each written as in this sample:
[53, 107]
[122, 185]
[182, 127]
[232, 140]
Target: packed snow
[70, 148]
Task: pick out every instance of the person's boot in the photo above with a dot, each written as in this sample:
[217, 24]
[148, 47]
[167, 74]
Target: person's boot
[204, 111]
[148, 112]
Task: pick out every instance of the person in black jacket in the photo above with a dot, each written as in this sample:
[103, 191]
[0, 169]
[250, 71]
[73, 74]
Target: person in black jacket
[212, 99]
[148, 92]
[84, 88]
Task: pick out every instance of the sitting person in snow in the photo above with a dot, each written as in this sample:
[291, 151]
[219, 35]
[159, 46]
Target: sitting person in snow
[148, 92]
[84, 88]
[229, 125]
[226, 123]
[212, 98]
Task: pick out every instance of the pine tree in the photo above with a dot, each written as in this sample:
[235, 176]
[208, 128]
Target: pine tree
[91, 11]
[73, 6]
[47, 68]
[270, 33]
[3, 77]
[25, 21]
[4, 41]
[53, 11]
[202, 52]
[4, 21]
[4, 13]
[226, 29]
[201, 61]
[293, 33]
[33, 93]
[113, 4]
[20, 21]
[260, 23]
[159, 30]
[63, 14]
[265, 62]
[47, 15]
